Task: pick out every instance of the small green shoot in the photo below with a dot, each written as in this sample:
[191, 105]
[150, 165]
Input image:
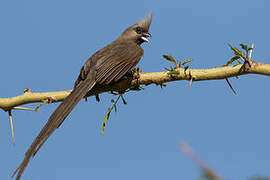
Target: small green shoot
[178, 64]
[171, 59]
[113, 107]
[238, 54]
[186, 61]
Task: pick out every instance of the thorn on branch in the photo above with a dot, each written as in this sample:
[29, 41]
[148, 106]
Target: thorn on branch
[11, 126]
[23, 108]
[250, 53]
[123, 99]
[190, 82]
[228, 82]
[191, 79]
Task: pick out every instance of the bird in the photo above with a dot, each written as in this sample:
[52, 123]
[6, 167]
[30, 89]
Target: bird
[108, 65]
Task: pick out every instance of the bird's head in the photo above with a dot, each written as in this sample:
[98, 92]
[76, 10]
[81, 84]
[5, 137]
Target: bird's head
[138, 32]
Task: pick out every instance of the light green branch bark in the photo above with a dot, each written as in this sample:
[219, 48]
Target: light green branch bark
[144, 79]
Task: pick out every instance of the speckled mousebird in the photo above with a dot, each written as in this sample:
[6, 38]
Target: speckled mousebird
[107, 65]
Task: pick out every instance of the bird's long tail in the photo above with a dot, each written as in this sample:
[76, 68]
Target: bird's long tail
[55, 120]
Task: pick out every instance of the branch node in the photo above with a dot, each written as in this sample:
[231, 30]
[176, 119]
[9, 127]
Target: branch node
[27, 90]
[49, 100]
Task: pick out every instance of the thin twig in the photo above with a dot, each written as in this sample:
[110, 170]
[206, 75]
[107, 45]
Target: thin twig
[11, 126]
[208, 172]
[187, 150]
[107, 116]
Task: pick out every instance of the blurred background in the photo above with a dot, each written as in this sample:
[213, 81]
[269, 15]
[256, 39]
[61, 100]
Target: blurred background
[43, 45]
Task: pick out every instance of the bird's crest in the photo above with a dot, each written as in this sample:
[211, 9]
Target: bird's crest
[146, 22]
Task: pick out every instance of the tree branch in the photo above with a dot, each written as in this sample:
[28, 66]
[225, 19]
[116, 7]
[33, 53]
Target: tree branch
[144, 79]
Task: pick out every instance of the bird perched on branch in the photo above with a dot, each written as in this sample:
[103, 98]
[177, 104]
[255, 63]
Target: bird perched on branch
[106, 66]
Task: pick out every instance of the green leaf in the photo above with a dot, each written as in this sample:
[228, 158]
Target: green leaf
[238, 62]
[238, 52]
[105, 119]
[244, 46]
[170, 58]
[186, 67]
[232, 60]
[186, 61]
[104, 123]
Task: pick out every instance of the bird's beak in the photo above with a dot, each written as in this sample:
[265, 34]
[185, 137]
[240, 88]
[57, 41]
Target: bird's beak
[145, 36]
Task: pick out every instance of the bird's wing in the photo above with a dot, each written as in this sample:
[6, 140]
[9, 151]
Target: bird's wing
[115, 65]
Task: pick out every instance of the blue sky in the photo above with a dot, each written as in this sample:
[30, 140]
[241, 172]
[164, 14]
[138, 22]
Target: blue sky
[44, 43]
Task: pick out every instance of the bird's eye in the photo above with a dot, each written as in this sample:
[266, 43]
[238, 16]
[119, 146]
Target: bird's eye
[138, 30]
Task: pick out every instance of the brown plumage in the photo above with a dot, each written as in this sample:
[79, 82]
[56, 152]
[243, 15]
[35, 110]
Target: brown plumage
[107, 65]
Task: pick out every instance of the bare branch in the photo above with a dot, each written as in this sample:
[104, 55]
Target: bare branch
[144, 79]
